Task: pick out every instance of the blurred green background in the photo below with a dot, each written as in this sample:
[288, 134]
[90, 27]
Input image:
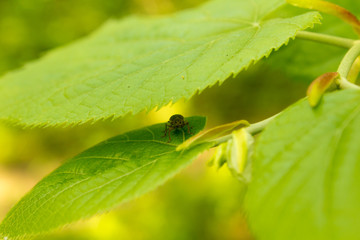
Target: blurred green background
[199, 203]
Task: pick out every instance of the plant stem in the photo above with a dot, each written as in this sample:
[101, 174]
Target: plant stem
[345, 84]
[328, 39]
[345, 66]
[252, 129]
[256, 128]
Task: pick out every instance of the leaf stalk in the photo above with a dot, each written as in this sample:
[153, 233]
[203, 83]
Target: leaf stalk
[253, 129]
[325, 38]
[345, 66]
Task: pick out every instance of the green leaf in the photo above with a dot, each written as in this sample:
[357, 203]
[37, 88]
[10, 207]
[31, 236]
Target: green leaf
[306, 172]
[141, 63]
[112, 172]
[305, 60]
[213, 133]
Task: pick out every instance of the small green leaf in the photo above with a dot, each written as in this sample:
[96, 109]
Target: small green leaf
[141, 63]
[114, 171]
[318, 87]
[218, 159]
[212, 133]
[306, 172]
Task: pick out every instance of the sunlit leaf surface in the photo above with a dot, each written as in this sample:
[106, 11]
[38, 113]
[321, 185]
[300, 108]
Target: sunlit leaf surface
[140, 62]
[306, 172]
[114, 171]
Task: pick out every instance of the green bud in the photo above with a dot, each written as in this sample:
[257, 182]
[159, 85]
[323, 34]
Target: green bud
[240, 149]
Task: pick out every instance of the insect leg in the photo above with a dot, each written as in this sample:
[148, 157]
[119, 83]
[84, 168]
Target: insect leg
[188, 126]
[170, 129]
[165, 131]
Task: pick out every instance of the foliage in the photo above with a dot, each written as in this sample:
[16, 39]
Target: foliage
[142, 63]
[305, 172]
[315, 59]
[100, 178]
[301, 169]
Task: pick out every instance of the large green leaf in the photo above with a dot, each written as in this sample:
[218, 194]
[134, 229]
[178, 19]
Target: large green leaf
[102, 177]
[305, 60]
[306, 172]
[141, 63]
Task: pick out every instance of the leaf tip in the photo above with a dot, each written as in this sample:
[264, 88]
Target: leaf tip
[318, 87]
[329, 8]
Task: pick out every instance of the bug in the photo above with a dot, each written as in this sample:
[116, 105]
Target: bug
[175, 122]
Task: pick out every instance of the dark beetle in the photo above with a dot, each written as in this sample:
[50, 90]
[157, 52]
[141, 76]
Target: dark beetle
[175, 122]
